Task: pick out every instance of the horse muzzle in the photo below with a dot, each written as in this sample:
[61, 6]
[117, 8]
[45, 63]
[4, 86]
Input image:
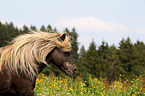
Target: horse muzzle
[70, 69]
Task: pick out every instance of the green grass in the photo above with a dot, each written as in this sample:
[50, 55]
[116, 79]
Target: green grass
[64, 86]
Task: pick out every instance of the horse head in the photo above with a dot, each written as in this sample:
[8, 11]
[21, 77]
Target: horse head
[62, 60]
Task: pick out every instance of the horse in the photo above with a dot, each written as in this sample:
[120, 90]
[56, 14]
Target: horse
[27, 55]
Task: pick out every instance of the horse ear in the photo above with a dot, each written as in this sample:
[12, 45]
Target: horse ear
[63, 37]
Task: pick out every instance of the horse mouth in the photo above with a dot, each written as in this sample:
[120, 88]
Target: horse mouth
[70, 73]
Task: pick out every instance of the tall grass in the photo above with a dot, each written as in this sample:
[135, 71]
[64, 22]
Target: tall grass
[64, 86]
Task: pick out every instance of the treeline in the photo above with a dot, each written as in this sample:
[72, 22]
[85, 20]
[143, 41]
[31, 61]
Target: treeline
[104, 60]
[109, 62]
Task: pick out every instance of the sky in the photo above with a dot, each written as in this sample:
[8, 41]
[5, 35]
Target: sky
[98, 20]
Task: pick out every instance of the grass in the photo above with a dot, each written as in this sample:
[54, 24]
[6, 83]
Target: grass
[64, 86]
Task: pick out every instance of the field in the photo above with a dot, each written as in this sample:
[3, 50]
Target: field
[64, 86]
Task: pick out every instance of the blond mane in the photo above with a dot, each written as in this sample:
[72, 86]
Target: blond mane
[27, 49]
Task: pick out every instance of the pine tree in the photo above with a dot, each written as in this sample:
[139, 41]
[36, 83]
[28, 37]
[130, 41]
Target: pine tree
[82, 51]
[49, 28]
[81, 60]
[11, 31]
[67, 30]
[88, 62]
[102, 55]
[25, 29]
[43, 28]
[127, 55]
[139, 68]
[33, 28]
[112, 63]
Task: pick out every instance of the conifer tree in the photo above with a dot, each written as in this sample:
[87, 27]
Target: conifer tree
[127, 55]
[43, 28]
[49, 28]
[81, 60]
[67, 30]
[82, 51]
[10, 30]
[33, 28]
[102, 55]
[25, 29]
[112, 63]
[89, 61]
[139, 67]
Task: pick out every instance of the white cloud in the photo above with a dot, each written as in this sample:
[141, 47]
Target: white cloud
[90, 24]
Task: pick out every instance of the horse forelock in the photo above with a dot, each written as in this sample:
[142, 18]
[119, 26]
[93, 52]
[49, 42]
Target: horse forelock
[27, 49]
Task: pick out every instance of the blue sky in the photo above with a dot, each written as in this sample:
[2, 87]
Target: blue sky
[108, 20]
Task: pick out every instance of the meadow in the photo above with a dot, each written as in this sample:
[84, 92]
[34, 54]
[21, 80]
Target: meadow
[90, 86]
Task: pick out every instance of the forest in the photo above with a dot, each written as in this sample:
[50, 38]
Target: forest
[105, 61]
